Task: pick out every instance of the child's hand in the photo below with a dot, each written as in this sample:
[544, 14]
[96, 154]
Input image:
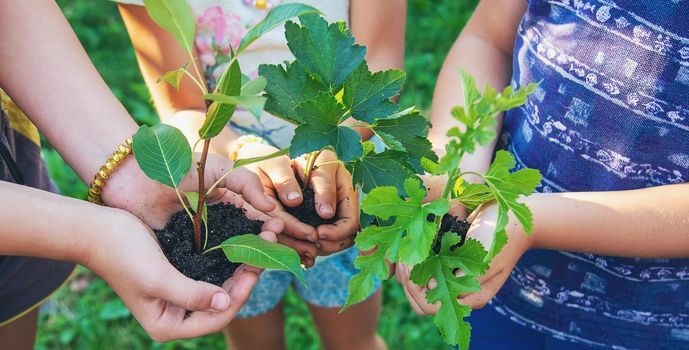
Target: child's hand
[127, 256]
[482, 229]
[334, 195]
[280, 184]
[130, 189]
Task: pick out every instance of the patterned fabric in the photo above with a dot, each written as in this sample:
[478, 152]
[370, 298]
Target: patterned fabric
[327, 285]
[611, 114]
[25, 282]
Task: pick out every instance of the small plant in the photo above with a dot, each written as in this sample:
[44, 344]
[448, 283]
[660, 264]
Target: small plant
[164, 154]
[329, 83]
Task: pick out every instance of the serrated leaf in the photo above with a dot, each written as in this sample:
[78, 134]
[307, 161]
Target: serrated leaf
[408, 133]
[388, 168]
[471, 195]
[255, 251]
[450, 317]
[254, 104]
[274, 18]
[508, 187]
[367, 95]
[410, 215]
[287, 88]
[163, 153]
[321, 128]
[327, 51]
[219, 114]
[176, 17]
[253, 87]
[429, 166]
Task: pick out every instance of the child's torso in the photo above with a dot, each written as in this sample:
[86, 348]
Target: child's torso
[612, 113]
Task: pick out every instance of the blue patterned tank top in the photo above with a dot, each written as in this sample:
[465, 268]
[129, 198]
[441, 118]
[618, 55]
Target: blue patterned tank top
[612, 113]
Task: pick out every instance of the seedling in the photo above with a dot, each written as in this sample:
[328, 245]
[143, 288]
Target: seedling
[327, 90]
[164, 154]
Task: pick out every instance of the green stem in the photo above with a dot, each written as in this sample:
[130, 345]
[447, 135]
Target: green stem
[310, 166]
[179, 195]
[212, 249]
[195, 80]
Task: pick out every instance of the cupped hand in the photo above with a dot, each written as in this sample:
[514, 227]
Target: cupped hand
[127, 256]
[130, 189]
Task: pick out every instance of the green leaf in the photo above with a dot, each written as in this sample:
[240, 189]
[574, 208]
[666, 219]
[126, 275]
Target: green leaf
[327, 51]
[247, 161]
[274, 18]
[408, 133]
[254, 87]
[287, 88]
[471, 195]
[193, 198]
[219, 114]
[163, 153]
[322, 128]
[508, 187]
[429, 166]
[367, 95]
[176, 17]
[174, 77]
[410, 216]
[450, 317]
[255, 251]
[388, 168]
[114, 310]
[253, 104]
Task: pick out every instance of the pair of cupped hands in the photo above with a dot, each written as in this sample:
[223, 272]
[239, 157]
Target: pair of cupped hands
[126, 254]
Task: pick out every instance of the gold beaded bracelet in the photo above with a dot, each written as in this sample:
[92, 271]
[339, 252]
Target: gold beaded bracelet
[98, 182]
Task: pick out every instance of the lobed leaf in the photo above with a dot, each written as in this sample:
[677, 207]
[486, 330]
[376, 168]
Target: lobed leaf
[287, 88]
[326, 51]
[407, 133]
[163, 153]
[388, 168]
[367, 96]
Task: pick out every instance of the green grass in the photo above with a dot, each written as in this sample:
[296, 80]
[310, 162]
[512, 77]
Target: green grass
[90, 316]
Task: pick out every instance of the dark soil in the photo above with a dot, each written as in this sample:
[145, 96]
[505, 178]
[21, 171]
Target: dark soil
[306, 211]
[450, 223]
[177, 242]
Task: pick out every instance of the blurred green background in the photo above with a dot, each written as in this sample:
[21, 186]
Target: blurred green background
[86, 313]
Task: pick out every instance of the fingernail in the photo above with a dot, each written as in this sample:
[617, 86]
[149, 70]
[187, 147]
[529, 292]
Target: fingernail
[432, 284]
[318, 245]
[309, 237]
[327, 209]
[220, 302]
[292, 195]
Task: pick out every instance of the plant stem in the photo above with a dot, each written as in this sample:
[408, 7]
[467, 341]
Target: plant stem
[195, 80]
[211, 249]
[310, 166]
[179, 195]
[202, 196]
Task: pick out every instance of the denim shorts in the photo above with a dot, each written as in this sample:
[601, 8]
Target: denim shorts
[327, 285]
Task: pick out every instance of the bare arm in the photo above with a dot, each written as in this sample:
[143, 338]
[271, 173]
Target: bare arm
[44, 61]
[158, 52]
[484, 49]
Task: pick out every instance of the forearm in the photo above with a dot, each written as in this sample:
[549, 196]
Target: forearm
[645, 223]
[48, 74]
[43, 224]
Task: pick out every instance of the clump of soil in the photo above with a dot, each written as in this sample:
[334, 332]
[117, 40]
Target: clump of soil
[450, 223]
[177, 242]
[306, 211]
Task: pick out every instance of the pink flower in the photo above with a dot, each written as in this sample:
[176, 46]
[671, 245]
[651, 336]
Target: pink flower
[207, 59]
[225, 28]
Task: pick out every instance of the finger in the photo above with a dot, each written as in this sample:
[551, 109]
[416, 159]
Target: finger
[413, 303]
[305, 249]
[247, 184]
[281, 175]
[347, 210]
[293, 227]
[324, 185]
[480, 299]
[328, 247]
[182, 291]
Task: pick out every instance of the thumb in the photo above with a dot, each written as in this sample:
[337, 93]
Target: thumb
[192, 295]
